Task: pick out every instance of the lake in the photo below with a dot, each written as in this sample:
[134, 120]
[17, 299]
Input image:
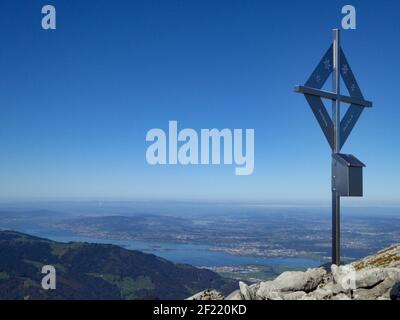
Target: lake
[197, 255]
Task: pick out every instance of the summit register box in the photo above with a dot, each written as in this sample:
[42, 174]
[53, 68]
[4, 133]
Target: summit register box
[347, 177]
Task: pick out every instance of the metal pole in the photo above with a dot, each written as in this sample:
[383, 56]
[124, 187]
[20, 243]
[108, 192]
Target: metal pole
[336, 121]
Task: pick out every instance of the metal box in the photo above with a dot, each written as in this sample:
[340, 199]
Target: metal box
[347, 179]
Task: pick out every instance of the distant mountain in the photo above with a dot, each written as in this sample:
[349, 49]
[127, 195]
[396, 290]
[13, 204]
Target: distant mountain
[95, 271]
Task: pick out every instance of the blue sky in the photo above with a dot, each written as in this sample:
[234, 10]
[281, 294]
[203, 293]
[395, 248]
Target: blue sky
[76, 103]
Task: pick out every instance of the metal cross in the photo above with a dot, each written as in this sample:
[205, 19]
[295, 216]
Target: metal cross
[335, 129]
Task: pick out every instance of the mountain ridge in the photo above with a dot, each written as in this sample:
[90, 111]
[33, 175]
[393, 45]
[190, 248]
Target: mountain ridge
[94, 271]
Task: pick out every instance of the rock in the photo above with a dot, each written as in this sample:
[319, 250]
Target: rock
[207, 295]
[279, 295]
[291, 281]
[319, 294]
[299, 281]
[373, 293]
[235, 295]
[298, 295]
[348, 278]
[265, 288]
[245, 291]
[344, 277]
[273, 295]
[334, 288]
[395, 292]
[385, 296]
[373, 278]
[393, 273]
[253, 290]
[341, 296]
[370, 277]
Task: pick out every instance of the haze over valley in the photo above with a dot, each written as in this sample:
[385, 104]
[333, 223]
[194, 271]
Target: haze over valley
[243, 242]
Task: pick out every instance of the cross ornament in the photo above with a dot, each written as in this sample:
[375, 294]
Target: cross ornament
[335, 129]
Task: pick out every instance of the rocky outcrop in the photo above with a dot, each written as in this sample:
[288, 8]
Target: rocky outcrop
[387, 258]
[293, 281]
[376, 277]
[208, 294]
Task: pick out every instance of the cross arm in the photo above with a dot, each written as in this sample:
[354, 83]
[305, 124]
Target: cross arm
[332, 96]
